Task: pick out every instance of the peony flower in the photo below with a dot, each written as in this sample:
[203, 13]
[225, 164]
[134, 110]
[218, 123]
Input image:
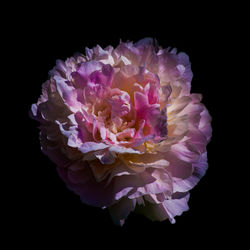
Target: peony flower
[124, 130]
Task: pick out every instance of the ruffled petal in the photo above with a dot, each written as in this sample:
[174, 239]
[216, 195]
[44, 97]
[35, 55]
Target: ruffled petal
[200, 168]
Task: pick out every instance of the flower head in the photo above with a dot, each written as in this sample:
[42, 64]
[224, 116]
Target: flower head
[124, 129]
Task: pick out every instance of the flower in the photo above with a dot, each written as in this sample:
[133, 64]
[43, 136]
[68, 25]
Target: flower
[124, 129]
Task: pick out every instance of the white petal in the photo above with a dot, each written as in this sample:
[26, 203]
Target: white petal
[92, 146]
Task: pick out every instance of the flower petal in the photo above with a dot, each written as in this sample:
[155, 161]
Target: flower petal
[92, 146]
[120, 211]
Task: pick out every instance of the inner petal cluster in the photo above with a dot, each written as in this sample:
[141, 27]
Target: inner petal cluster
[126, 116]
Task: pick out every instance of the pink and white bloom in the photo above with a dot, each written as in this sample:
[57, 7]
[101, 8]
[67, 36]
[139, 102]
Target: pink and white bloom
[124, 129]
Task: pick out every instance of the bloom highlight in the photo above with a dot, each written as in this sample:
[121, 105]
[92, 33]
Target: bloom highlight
[124, 130]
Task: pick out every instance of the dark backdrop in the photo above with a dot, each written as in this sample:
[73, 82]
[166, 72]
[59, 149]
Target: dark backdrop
[47, 210]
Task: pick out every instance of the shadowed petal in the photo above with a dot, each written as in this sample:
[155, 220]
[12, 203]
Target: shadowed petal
[120, 211]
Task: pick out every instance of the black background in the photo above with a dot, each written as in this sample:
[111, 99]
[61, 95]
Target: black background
[45, 210]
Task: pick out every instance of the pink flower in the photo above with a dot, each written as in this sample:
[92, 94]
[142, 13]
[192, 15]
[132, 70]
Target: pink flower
[124, 129]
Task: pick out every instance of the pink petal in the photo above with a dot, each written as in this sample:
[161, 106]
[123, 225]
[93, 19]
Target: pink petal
[151, 91]
[200, 168]
[175, 207]
[205, 124]
[177, 167]
[141, 103]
